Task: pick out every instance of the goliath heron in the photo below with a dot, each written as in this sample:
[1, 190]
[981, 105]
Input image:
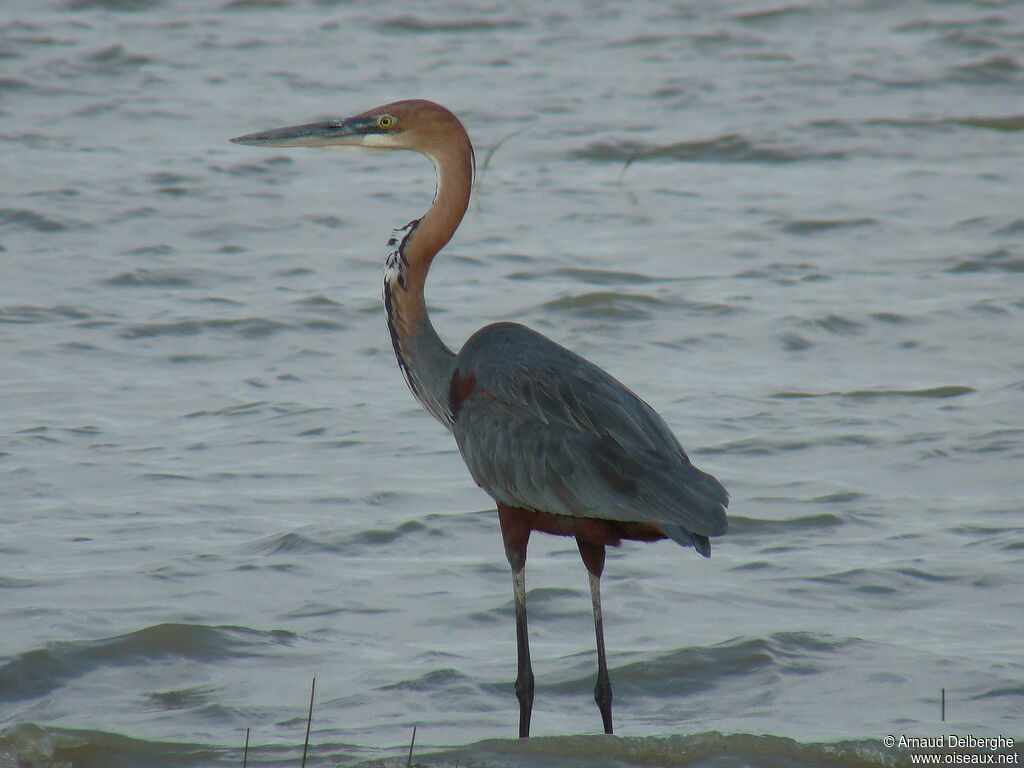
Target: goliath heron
[560, 445]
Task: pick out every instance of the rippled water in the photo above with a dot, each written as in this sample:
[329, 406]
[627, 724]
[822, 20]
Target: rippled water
[794, 228]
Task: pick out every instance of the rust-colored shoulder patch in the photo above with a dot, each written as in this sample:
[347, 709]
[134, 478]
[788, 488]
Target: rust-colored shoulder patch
[460, 388]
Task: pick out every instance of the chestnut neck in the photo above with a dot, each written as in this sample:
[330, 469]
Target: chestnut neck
[426, 362]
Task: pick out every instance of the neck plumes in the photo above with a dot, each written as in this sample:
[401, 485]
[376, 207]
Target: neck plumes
[426, 362]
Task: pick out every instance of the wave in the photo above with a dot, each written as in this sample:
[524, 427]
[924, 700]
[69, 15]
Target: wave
[605, 305]
[775, 13]
[727, 148]
[756, 446]
[47, 747]
[739, 525]
[628, 306]
[113, 5]
[749, 663]
[784, 273]
[351, 544]
[23, 218]
[998, 68]
[1005, 123]
[934, 393]
[246, 327]
[410, 23]
[814, 226]
[153, 278]
[588, 276]
[41, 671]
[698, 750]
[1008, 123]
[29, 313]
[113, 60]
[742, 666]
[885, 581]
[1000, 260]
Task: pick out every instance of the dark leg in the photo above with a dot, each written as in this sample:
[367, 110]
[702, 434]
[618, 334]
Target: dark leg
[516, 533]
[593, 558]
[603, 689]
[524, 678]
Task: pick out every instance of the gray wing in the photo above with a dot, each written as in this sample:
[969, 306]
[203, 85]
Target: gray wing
[542, 428]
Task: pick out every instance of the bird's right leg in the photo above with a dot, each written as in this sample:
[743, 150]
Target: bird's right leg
[516, 533]
[593, 558]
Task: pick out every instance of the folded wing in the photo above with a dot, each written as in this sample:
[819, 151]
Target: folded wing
[542, 428]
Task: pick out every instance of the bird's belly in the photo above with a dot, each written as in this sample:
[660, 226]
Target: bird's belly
[592, 530]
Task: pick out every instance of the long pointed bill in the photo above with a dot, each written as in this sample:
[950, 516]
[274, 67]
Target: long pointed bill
[333, 133]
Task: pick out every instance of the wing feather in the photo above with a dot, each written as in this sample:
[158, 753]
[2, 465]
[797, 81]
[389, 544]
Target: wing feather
[543, 428]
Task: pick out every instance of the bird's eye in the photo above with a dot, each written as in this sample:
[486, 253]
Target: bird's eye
[385, 121]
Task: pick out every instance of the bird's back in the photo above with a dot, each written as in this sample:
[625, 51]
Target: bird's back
[544, 429]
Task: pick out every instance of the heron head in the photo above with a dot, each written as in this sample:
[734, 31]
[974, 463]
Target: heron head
[413, 124]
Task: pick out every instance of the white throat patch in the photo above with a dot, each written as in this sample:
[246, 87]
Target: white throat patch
[380, 141]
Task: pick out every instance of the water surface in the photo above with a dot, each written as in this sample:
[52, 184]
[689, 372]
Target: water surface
[794, 229]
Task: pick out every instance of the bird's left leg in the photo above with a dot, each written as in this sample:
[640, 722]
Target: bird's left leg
[593, 558]
[516, 533]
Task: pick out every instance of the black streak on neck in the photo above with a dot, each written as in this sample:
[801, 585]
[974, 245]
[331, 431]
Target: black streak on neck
[398, 262]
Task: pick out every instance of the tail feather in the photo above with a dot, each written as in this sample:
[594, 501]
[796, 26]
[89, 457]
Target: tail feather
[702, 544]
[682, 536]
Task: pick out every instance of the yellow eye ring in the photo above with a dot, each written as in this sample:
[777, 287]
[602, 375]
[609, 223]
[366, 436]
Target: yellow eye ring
[385, 121]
